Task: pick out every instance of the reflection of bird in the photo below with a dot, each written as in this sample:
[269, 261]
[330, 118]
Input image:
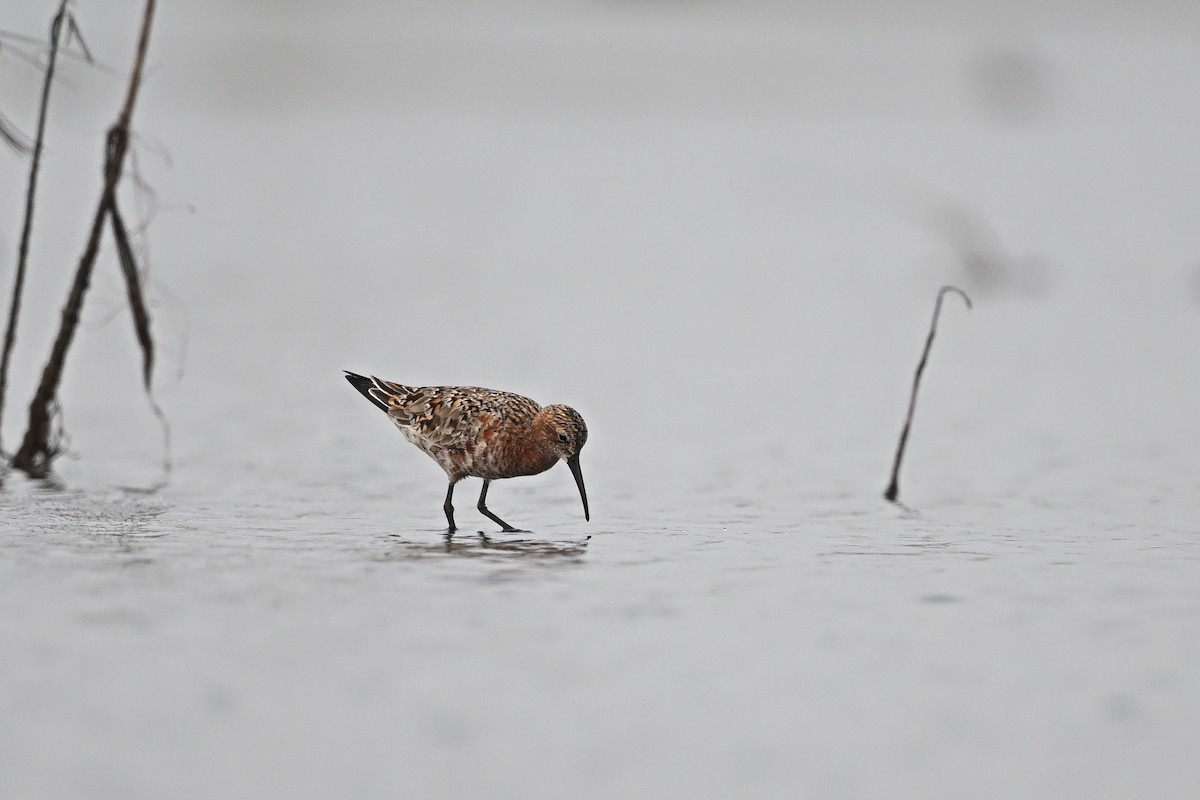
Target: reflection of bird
[508, 551]
[481, 433]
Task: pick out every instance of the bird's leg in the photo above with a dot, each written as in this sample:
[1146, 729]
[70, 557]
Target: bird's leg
[482, 506]
[448, 507]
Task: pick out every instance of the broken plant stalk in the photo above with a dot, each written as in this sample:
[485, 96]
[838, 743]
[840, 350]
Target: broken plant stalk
[893, 489]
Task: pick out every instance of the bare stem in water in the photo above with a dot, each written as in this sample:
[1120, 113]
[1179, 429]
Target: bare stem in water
[893, 489]
[14, 311]
[38, 448]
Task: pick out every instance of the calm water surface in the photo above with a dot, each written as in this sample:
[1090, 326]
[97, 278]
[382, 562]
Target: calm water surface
[183, 645]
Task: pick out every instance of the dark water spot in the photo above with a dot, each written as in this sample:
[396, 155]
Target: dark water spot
[940, 598]
[219, 698]
[448, 730]
[1122, 707]
[1012, 84]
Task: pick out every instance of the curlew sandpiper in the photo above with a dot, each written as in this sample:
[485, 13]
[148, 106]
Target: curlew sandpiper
[481, 433]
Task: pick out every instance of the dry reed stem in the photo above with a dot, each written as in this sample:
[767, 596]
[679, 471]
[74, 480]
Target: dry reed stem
[893, 489]
[38, 450]
[14, 311]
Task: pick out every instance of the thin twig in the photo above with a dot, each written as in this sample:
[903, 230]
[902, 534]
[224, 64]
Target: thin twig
[14, 311]
[13, 137]
[141, 325]
[133, 286]
[77, 35]
[893, 489]
[86, 56]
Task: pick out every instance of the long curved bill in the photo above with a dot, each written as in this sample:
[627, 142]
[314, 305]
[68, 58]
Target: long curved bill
[573, 463]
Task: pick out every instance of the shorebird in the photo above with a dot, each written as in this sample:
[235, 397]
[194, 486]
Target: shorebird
[481, 433]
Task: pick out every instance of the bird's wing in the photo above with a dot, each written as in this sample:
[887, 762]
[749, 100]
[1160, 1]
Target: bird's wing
[451, 416]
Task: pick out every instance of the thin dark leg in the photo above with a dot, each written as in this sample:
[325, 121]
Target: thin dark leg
[482, 506]
[448, 507]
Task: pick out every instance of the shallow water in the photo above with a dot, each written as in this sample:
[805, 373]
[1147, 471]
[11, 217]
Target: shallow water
[169, 648]
[726, 262]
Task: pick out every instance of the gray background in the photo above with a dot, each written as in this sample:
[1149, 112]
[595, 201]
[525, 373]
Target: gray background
[714, 228]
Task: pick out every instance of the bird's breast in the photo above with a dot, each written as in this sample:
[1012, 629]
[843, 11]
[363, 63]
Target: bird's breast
[499, 456]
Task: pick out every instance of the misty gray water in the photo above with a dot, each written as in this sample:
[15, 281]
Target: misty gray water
[717, 231]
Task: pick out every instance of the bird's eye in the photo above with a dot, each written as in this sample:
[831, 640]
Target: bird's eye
[562, 437]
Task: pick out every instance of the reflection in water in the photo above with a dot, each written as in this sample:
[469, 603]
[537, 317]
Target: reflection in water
[485, 547]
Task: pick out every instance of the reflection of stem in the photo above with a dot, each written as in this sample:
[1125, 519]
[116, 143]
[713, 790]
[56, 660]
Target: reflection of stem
[14, 311]
[893, 489]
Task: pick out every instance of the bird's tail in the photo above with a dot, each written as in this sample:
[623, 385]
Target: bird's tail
[365, 385]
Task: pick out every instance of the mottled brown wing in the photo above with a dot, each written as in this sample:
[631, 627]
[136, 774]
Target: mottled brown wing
[435, 417]
[452, 416]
